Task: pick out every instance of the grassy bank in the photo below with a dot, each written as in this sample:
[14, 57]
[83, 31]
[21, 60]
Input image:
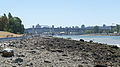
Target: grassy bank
[8, 34]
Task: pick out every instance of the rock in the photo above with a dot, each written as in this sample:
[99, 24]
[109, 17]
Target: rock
[52, 50]
[19, 64]
[19, 46]
[91, 41]
[8, 52]
[114, 46]
[100, 66]
[18, 60]
[32, 51]
[64, 55]
[80, 66]
[47, 61]
[60, 51]
[81, 40]
[11, 44]
[42, 47]
[29, 64]
[20, 55]
[61, 59]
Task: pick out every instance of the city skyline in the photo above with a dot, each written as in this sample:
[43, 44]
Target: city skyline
[48, 26]
[64, 12]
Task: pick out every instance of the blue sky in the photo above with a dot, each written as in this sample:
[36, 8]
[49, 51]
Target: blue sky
[63, 12]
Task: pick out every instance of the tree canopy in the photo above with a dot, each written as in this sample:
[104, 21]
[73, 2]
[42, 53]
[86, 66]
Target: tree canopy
[11, 24]
[96, 29]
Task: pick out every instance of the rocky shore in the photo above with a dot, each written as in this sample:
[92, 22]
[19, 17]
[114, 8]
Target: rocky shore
[59, 52]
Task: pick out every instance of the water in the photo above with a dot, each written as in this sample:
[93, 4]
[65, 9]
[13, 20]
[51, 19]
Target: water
[110, 40]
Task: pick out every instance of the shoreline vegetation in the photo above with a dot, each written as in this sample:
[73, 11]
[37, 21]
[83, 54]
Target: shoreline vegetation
[47, 51]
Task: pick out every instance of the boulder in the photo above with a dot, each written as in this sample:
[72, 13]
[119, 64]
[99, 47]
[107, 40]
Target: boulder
[18, 60]
[11, 44]
[81, 40]
[7, 52]
[91, 41]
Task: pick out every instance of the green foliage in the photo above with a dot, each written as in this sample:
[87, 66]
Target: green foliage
[69, 38]
[88, 31]
[117, 28]
[3, 22]
[9, 15]
[96, 29]
[11, 24]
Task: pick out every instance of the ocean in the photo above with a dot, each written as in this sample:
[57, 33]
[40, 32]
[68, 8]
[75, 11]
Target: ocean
[110, 40]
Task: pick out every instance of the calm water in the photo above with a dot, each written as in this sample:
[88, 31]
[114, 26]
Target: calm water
[111, 40]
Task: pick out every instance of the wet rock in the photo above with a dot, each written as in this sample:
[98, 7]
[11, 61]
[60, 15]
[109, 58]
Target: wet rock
[115, 47]
[81, 40]
[52, 50]
[32, 51]
[36, 43]
[19, 64]
[60, 51]
[18, 60]
[80, 66]
[61, 59]
[68, 46]
[64, 55]
[91, 41]
[11, 44]
[100, 66]
[7, 52]
[20, 55]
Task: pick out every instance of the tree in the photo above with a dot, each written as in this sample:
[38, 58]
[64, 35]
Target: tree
[15, 25]
[96, 29]
[18, 25]
[3, 22]
[88, 31]
[9, 15]
[117, 28]
[11, 24]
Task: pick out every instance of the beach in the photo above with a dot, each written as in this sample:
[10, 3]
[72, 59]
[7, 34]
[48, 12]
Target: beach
[58, 52]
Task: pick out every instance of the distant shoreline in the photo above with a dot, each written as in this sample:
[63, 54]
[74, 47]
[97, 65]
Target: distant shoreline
[98, 34]
[109, 34]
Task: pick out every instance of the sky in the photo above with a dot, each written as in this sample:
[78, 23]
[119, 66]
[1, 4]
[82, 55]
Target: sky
[63, 12]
